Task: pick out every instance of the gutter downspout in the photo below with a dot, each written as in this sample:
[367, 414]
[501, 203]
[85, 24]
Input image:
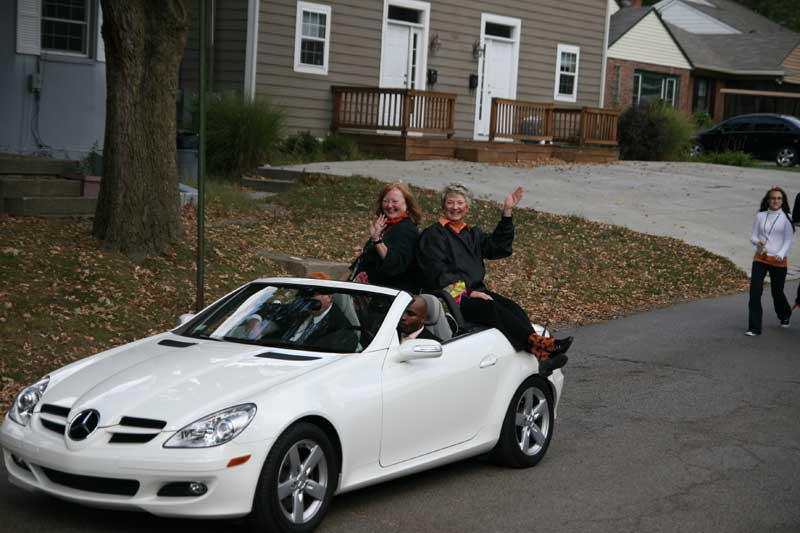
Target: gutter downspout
[605, 56]
[251, 55]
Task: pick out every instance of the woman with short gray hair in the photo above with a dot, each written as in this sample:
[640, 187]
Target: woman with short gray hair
[451, 255]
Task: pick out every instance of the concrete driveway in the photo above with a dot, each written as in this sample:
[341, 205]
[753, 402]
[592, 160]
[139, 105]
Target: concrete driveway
[711, 206]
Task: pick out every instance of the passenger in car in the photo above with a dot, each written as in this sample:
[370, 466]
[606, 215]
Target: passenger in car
[412, 323]
[451, 255]
[388, 257]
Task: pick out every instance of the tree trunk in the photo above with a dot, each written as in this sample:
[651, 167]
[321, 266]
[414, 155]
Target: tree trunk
[138, 208]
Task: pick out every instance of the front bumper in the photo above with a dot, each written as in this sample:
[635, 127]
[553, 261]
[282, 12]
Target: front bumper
[230, 489]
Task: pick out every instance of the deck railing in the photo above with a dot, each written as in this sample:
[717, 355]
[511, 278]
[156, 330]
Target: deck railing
[513, 119]
[403, 110]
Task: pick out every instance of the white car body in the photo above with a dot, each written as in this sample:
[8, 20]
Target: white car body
[390, 418]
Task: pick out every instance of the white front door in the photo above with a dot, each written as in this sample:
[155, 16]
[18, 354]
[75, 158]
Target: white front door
[497, 68]
[401, 69]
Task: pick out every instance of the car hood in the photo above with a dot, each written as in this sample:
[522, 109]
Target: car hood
[157, 379]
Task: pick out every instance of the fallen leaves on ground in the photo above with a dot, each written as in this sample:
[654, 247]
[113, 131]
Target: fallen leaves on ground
[64, 297]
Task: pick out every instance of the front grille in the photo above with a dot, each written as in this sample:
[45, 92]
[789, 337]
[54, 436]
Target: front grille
[148, 423]
[136, 438]
[56, 426]
[132, 438]
[101, 485]
[57, 410]
[53, 426]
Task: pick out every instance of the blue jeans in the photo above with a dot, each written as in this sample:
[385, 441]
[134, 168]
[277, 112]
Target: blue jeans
[777, 276]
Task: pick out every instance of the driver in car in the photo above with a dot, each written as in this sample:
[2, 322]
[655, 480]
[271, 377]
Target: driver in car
[326, 327]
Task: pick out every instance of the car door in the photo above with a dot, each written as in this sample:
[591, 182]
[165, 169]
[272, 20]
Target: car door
[432, 404]
[734, 135]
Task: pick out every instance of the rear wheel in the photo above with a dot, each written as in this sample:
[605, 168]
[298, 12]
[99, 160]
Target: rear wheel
[297, 481]
[786, 157]
[696, 150]
[528, 426]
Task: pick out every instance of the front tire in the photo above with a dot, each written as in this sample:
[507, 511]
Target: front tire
[528, 426]
[297, 481]
[786, 157]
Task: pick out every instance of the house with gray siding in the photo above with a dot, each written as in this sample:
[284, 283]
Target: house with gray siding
[53, 90]
[295, 51]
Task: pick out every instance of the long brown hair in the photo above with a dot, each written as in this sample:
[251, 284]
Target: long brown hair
[414, 212]
[784, 203]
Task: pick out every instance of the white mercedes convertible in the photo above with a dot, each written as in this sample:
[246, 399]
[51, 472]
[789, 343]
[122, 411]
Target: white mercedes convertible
[273, 399]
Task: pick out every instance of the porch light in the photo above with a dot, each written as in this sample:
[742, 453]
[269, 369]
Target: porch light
[435, 44]
[477, 49]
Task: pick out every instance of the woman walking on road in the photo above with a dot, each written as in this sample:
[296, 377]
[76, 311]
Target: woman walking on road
[772, 236]
[796, 220]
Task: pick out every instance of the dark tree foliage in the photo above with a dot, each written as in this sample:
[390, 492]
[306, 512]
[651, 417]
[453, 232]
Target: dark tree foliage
[138, 209]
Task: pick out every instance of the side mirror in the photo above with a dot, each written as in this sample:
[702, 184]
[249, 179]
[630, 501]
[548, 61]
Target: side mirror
[418, 349]
[184, 318]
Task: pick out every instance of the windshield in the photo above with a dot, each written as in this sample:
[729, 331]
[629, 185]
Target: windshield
[294, 316]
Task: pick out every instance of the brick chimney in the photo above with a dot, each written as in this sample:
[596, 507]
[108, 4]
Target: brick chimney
[632, 3]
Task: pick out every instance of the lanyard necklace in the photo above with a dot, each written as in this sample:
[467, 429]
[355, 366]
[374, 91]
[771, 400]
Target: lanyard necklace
[768, 233]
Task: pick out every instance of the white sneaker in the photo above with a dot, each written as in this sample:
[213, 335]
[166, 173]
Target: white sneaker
[751, 333]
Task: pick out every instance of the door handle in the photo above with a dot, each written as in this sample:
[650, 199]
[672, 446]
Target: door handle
[489, 360]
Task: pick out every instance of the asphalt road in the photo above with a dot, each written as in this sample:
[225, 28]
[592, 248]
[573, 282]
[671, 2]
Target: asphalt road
[671, 420]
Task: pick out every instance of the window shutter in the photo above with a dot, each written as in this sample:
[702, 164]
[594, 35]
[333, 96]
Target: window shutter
[100, 54]
[29, 27]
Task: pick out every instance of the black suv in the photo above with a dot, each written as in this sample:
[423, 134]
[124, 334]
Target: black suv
[764, 136]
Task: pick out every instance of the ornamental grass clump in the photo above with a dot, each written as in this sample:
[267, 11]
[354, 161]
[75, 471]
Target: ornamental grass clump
[242, 134]
[654, 131]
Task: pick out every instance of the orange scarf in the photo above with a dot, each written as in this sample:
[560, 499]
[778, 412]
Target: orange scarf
[395, 220]
[457, 227]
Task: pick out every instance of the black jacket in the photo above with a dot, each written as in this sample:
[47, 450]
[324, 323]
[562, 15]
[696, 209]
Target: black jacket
[796, 210]
[398, 269]
[445, 256]
[333, 333]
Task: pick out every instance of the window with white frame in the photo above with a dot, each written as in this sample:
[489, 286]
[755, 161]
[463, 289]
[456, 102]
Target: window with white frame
[650, 86]
[312, 38]
[65, 26]
[567, 63]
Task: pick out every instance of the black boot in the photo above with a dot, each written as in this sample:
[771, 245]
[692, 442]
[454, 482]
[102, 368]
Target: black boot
[562, 345]
[556, 360]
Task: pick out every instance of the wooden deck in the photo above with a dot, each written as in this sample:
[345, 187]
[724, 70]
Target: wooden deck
[574, 134]
[410, 148]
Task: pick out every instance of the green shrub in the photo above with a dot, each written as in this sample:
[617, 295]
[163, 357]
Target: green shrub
[702, 120]
[735, 159]
[241, 134]
[303, 147]
[338, 147]
[654, 132]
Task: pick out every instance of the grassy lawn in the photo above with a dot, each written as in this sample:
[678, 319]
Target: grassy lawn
[62, 297]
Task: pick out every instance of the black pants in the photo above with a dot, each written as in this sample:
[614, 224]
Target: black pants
[777, 276]
[500, 313]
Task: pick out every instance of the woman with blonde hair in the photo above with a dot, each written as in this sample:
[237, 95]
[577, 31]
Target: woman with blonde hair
[388, 258]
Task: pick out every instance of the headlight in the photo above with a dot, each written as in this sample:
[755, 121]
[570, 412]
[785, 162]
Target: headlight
[214, 429]
[27, 400]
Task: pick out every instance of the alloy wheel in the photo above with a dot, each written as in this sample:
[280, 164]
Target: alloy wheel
[532, 421]
[302, 481]
[786, 157]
